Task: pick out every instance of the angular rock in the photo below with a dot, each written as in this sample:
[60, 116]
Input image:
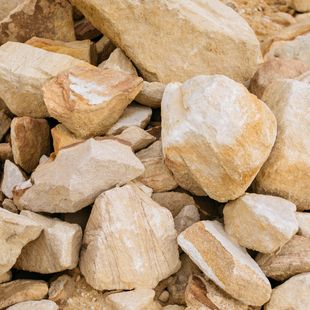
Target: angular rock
[226, 263]
[23, 71]
[9, 205]
[303, 220]
[260, 222]
[5, 123]
[24, 19]
[56, 249]
[215, 135]
[5, 152]
[16, 231]
[6, 277]
[35, 305]
[301, 5]
[125, 226]
[30, 139]
[186, 217]
[78, 175]
[18, 291]
[224, 43]
[84, 30]
[134, 115]
[156, 174]
[88, 100]
[286, 173]
[104, 48]
[61, 289]
[151, 94]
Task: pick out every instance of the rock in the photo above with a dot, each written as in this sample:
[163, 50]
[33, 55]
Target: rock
[283, 18]
[134, 115]
[25, 19]
[286, 173]
[301, 5]
[12, 176]
[83, 50]
[224, 43]
[276, 68]
[84, 30]
[16, 231]
[227, 130]
[292, 294]
[303, 220]
[35, 305]
[104, 48]
[156, 174]
[30, 140]
[260, 222]
[126, 225]
[56, 249]
[302, 17]
[9, 205]
[18, 291]
[151, 94]
[173, 201]
[5, 123]
[136, 137]
[5, 277]
[5, 152]
[293, 258]
[226, 263]
[118, 61]
[61, 289]
[305, 77]
[88, 100]
[173, 307]
[186, 217]
[164, 296]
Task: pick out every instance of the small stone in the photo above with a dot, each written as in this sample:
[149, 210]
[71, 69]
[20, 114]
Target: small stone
[84, 30]
[6, 277]
[173, 307]
[164, 296]
[301, 5]
[151, 94]
[5, 123]
[186, 217]
[30, 140]
[9, 205]
[302, 17]
[35, 305]
[5, 152]
[104, 48]
[303, 220]
[61, 289]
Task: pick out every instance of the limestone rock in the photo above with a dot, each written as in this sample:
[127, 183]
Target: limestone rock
[156, 174]
[30, 140]
[104, 48]
[15, 232]
[293, 258]
[12, 176]
[84, 30]
[215, 135]
[186, 217]
[260, 222]
[286, 173]
[134, 115]
[5, 123]
[303, 219]
[88, 100]
[61, 289]
[24, 19]
[302, 17]
[6, 277]
[292, 294]
[5, 152]
[301, 5]
[129, 241]
[151, 94]
[223, 42]
[227, 264]
[56, 249]
[18, 291]
[9, 205]
[173, 307]
[78, 175]
[35, 305]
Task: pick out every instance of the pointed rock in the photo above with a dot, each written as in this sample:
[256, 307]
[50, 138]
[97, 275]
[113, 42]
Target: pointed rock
[35, 305]
[151, 94]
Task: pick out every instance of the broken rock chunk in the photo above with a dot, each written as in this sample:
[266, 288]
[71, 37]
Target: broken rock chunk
[35, 305]
[186, 217]
[151, 94]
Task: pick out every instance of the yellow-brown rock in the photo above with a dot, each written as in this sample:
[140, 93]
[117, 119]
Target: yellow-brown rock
[151, 94]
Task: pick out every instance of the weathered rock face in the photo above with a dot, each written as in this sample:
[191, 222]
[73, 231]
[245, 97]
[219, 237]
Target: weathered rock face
[260, 222]
[78, 175]
[227, 264]
[129, 241]
[301, 5]
[151, 94]
[215, 135]
[88, 100]
[24, 19]
[224, 43]
[286, 173]
[186, 217]
[303, 220]
[35, 305]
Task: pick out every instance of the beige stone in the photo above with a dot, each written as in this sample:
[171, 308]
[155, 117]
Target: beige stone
[260, 222]
[84, 30]
[5, 152]
[88, 100]
[18, 291]
[223, 42]
[215, 136]
[6, 277]
[35, 305]
[292, 294]
[78, 175]
[62, 289]
[286, 173]
[303, 219]
[23, 19]
[9, 205]
[30, 139]
[283, 18]
[129, 241]
[104, 48]
[173, 307]
[226, 263]
[305, 77]
[151, 94]
[301, 5]
[5, 123]
[186, 217]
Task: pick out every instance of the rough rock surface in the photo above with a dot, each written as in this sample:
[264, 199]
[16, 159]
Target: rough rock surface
[35, 305]
[215, 135]
[151, 94]
[5, 152]
[186, 217]
[301, 5]
[303, 220]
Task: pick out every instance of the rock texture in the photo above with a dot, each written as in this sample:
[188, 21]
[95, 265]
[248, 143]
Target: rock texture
[129, 241]
[301, 5]
[5, 152]
[6, 277]
[151, 94]
[303, 220]
[224, 42]
[215, 135]
[186, 218]
[35, 305]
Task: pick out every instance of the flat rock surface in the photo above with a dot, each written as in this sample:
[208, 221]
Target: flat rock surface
[35, 305]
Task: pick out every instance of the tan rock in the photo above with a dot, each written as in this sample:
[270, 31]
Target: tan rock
[104, 48]
[61, 289]
[305, 77]
[156, 174]
[283, 18]
[303, 220]
[9, 205]
[88, 100]
[129, 241]
[292, 294]
[260, 222]
[301, 5]
[302, 17]
[151, 94]
[35, 305]
[84, 30]
[6, 277]
[286, 173]
[186, 217]
[226, 263]
[5, 152]
[18, 291]
[224, 43]
[78, 175]
[134, 115]
[23, 19]
[30, 140]
[15, 232]
[293, 258]
[173, 307]
[5, 123]
[215, 135]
